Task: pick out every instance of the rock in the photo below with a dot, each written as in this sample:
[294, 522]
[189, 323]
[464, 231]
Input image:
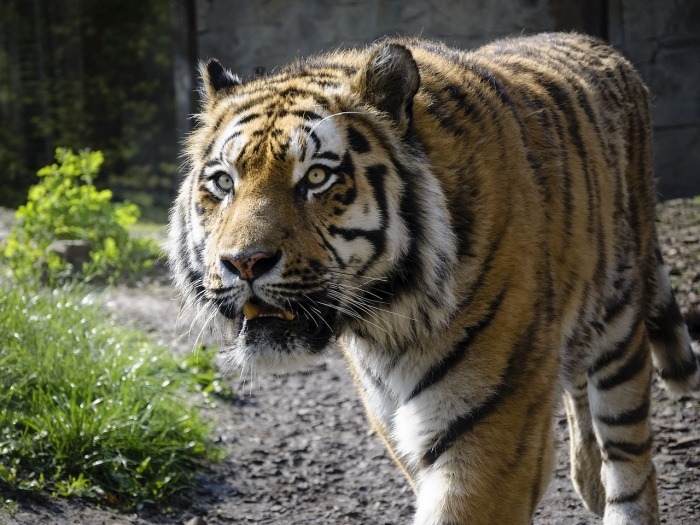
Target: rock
[73, 252]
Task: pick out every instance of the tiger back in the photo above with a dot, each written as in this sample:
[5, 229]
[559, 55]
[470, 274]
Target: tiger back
[475, 230]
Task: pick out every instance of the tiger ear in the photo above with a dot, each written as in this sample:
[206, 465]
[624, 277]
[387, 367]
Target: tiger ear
[389, 81]
[216, 78]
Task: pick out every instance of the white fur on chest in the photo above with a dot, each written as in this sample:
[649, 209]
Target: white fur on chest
[411, 424]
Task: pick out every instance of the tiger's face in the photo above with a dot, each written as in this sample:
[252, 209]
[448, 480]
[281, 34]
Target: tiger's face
[290, 211]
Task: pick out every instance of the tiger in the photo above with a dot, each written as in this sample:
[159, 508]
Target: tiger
[474, 230]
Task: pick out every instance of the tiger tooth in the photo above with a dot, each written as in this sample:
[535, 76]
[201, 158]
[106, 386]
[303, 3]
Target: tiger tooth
[288, 315]
[251, 311]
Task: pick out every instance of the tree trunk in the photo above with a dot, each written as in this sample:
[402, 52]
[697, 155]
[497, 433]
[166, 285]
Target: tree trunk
[184, 67]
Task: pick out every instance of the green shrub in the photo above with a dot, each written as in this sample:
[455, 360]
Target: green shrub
[89, 409]
[65, 205]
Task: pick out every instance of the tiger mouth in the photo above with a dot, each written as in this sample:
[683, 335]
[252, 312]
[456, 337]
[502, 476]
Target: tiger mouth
[312, 320]
[255, 309]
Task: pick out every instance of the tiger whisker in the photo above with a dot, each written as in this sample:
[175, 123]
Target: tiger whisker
[308, 314]
[206, 323]
[354, 315]
[353, 289]
[361, 300]
[357, 302]
[317, 311]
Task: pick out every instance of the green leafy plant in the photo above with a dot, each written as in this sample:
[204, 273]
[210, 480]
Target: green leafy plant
[66, 205]
[90, 409]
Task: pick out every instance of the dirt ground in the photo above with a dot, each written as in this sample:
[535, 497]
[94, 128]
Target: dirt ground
[300, 451]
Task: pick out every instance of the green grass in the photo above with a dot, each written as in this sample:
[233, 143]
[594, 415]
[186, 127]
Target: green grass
[90, 409]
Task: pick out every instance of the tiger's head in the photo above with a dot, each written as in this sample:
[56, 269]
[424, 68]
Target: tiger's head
[309, 210]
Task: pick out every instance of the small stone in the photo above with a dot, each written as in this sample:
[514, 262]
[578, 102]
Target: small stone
[73, 252]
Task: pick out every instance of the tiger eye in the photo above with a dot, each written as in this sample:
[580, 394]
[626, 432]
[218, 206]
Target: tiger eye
[224, 181]
[316, 176]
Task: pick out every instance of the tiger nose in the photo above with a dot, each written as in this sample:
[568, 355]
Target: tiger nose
[250, 266]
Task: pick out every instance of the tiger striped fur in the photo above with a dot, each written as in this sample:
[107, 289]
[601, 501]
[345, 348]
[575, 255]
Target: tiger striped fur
[476, 230]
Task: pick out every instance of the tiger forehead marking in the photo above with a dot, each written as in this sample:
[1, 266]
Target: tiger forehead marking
[320, 143]
[476, 232]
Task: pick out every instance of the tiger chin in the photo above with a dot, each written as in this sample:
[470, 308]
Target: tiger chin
[476, 230]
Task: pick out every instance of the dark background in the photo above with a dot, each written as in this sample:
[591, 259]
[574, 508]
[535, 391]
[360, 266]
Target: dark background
[120, 75]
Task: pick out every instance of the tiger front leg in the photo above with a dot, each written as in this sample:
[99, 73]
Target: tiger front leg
[494, 473]
[455, 494]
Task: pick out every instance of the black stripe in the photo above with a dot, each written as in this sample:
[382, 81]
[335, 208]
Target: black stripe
[227, 114]
[225, 145]
[183, 226]
[310, 133]
[243, 155]
[210, 146]
[679, 371]
[517, 362]
[485, 266]
[248, 118]
[630, 417]
[629, 369]
[634, 495]
[269, 96]
[493, 84]
[633, 216]
[567, 109]
[302, 153]
[524, 444]
[327, 155]
[663, 324]
[276, 112]
[208, 194]
[376, 237]
[556, 98]
[357, 141]
[615, 307]
[536, 106]
[306, 114]
[209, 164]
[195, 279]
[491, 80]
[453, 107]
[461, 204]
[447, 120]
[612, 449]
[582, 332]
[567, 193]
[459, 350]
[330, 248]
[375, 175]
[408, 274]
[617, 352]
[346, 198]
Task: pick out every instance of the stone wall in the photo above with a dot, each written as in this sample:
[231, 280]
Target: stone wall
[661, 37]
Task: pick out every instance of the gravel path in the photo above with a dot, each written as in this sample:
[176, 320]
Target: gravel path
[300, 451]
